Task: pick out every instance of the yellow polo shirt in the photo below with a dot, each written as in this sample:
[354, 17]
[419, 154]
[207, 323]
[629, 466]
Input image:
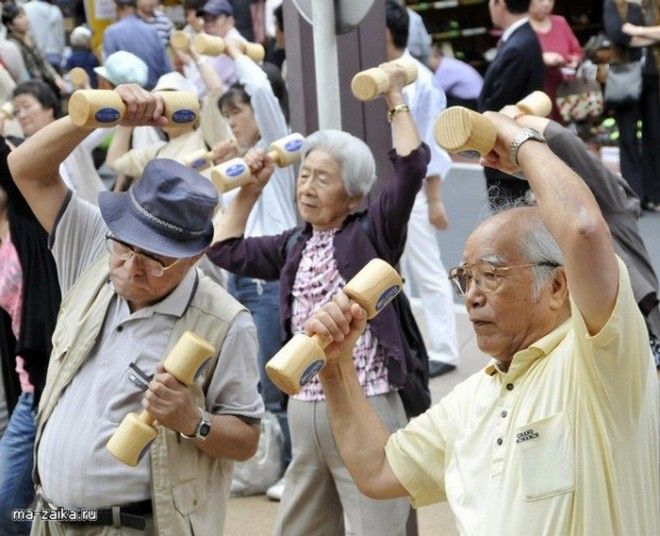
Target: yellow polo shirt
[564, 443]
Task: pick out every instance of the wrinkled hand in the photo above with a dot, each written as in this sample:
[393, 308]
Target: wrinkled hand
[142, 106]
[438, 215]
[553, 59]
[507, 129]
[224, 150]
[341, 321]
[261, 167]
[170, 402]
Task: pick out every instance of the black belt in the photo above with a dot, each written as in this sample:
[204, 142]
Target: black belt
[130, 515]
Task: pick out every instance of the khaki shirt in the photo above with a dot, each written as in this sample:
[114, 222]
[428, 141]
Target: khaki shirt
[564, 443]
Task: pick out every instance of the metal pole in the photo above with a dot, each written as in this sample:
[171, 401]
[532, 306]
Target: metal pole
[325, 59]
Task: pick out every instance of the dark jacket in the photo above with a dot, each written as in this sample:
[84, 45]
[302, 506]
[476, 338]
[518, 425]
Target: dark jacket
[516, 71]
[268, 257]
[41, 292]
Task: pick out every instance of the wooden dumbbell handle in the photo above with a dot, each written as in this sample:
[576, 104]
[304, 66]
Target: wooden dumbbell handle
[79, 78]
[213, 45]
[180, 40]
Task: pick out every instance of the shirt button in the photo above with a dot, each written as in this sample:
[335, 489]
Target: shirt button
[504, 414]
[500, 441]
[509, 386]
[120, 328]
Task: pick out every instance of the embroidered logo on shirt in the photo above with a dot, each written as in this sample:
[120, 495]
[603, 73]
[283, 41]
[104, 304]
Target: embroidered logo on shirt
[526, 435]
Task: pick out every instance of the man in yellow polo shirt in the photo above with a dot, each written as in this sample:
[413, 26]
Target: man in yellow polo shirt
[558, 434]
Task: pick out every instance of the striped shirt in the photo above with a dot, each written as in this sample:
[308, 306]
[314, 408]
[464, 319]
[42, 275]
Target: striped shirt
[317, 280]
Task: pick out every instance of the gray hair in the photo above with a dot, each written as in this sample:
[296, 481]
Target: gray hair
[353, 156]
[536, 244]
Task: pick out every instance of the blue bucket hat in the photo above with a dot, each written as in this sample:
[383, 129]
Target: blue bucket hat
[217, 8]
[168, 211]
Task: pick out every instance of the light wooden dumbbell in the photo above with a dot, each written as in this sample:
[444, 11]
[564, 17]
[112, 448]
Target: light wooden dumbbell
[460, 129]
[7, 110]
[79, 78]
[132, 438]
[367, 85]
[94, 108]
[213, 45]
[180, 40]
[235, 172]
[202, 159]
[302, 357]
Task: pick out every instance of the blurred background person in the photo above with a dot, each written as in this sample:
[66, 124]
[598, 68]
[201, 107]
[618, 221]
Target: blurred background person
[18, 27]
[561, 49]
[639, 157]
[460, 81]
[148, 11]
[132, 34]
[47, 17]
[82, 55]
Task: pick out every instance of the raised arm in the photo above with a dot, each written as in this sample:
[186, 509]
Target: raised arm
[359, 433]
[572, 216]
[38, 178]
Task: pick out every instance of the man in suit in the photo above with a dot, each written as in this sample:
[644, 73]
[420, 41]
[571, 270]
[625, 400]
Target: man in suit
[516, 71]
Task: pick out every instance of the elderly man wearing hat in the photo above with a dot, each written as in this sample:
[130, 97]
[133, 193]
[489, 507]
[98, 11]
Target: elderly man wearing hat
[130, 290]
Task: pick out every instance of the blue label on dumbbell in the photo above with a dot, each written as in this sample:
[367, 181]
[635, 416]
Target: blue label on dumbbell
[293, 145]
[184, 116]
[387, 296]
[200, 162]
[234, 170]
[311, 371]
[107, 115]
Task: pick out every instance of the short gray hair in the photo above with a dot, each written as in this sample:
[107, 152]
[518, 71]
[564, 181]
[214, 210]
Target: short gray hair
[536, 244]
[353, 156]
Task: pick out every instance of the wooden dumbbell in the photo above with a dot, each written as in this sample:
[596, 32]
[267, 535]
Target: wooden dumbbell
[7, 110]
[460, 129]
[235, 172]
[302, 357]
[213, 45]
[132, 438]
[94, 108]
[201, 159]
[367, 85]
[79, 78]
[180, 40]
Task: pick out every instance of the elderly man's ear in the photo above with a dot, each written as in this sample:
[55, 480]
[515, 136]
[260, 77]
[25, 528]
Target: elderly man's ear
[559, 289]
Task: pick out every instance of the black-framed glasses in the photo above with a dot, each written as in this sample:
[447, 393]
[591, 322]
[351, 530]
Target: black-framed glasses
[151, 264]
[485, 275]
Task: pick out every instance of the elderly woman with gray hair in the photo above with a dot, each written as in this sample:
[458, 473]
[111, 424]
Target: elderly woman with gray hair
[312, 264]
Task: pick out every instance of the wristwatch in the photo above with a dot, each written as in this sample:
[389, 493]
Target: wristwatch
[524, 135]
[203, 428]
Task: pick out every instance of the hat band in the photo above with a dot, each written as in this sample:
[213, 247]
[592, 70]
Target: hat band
[161, 223]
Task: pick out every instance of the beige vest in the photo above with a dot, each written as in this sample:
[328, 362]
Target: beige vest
[189, 488]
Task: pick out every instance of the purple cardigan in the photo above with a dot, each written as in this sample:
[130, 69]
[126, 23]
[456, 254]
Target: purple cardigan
[266, 257]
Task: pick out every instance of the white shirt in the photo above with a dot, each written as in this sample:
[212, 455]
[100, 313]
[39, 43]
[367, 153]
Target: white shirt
[275, 210]
[78, 171]
[426, 101]
[47, 26]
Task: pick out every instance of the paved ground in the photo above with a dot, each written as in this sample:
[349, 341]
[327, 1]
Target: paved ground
[465, 197]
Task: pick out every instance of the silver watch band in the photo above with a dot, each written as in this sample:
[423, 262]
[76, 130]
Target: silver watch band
[524, 135]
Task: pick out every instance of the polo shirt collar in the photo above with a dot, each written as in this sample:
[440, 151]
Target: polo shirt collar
[523, 359]
[176, 303]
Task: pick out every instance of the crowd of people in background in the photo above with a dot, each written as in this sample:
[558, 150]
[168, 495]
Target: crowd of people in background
[111, 243]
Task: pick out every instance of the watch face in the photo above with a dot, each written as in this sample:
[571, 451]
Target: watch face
[204, 429]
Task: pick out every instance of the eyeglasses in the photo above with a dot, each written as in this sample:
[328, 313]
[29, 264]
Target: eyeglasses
[486, 276]
[124, 251]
